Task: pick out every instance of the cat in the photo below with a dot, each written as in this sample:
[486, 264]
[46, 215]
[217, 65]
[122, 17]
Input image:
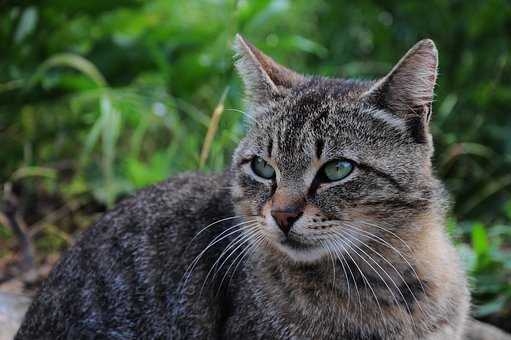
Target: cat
[329, 224]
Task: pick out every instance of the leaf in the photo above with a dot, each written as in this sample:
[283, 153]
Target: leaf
[507, 209]
[490, 307]
[27, 24]
[33, 171]
[492, 187]
[480, 240]
[69, 60]
[306, 45]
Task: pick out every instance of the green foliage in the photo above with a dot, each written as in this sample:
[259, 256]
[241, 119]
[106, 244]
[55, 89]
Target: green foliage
[100, 98]
[489, 263]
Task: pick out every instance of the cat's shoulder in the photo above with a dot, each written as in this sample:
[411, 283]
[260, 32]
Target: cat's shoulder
[190, 199]
[188, 191]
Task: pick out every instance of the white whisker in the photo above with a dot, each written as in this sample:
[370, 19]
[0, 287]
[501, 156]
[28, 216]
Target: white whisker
[383, 280]
[209, 226]
[372, 236]
[341, 238]
[325, 245]
[245, 238]
[217, 239]
[342, 260]
[236, 244]
[242, 254]
[394, 248]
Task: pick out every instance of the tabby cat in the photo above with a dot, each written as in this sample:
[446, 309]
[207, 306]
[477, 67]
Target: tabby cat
[328, 225]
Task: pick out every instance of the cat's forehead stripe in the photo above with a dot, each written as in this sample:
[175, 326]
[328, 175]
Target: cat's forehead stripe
[270, 146]
[320, 144]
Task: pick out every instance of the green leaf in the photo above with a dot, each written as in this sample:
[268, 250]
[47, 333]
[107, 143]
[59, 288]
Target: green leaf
[27, 24]
[490, 307]
[33, 171]
[480, 240]
[75, 61]
[507, 209]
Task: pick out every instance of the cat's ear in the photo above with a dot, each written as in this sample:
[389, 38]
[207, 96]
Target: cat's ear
[407, 90]
[264, 79]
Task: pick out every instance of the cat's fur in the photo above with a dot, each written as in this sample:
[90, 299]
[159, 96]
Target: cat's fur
[368, 259]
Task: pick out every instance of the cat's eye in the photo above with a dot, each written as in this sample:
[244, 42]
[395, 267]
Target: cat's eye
[336, 170]
[261, 168]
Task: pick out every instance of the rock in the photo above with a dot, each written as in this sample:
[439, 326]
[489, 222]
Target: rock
[477, 330]
[12, 310]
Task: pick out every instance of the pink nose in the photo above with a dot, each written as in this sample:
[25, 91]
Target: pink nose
[286, 217]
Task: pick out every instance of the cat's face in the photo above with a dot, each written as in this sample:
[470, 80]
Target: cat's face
[328, 164]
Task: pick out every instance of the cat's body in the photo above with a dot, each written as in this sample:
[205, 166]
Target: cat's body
[122, 281]
[330, 218]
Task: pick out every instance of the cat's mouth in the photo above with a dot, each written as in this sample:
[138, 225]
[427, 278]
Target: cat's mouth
[296, 246]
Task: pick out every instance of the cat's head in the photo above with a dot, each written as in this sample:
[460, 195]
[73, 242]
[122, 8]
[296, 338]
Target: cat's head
[331, 163]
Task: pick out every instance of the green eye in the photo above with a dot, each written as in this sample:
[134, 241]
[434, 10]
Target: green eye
[336, 170]
[261, 168]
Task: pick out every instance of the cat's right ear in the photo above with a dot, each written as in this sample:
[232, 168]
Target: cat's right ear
[264, 79]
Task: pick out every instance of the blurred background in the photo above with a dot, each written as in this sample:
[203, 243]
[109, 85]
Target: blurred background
[100, 98]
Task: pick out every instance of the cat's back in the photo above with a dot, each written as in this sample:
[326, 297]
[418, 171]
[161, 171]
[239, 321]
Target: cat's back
[122, 276]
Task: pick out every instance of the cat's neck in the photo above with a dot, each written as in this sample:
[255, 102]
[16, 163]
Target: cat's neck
[400, 284]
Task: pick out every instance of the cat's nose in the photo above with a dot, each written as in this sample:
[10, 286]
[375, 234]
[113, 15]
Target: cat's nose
[285, 218]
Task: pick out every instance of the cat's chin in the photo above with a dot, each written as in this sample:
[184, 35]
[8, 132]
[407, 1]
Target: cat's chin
[299, 252]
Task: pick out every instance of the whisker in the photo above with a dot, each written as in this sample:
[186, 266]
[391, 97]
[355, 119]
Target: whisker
[325, 245]
[390, 232]
[360, 231]
[340, 253]
[245, 237]
[220, 235]
[210, 225]
[237, 242]
[381, 278]
[231, 245]
[248, 250]
[341, 259]
[384, 242]
[262, 240]
[217, 239]
[341, 238]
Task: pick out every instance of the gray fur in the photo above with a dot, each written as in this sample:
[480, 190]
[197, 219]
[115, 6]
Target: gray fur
[368, 259]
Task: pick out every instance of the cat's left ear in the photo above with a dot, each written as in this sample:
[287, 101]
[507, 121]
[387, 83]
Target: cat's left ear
[407, 90]
[264, 79]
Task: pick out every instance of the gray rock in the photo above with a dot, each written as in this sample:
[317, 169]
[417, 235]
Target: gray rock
[12, 310]
[477, 330]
